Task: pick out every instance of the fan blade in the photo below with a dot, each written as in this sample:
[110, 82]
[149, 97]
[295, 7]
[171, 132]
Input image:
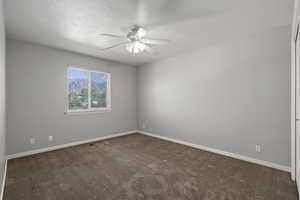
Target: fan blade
[155, 41]
[113, 46]
[111, 35]
[149, 49]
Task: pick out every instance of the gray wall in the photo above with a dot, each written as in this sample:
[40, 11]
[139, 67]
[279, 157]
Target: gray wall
[36, 89]
[2, 95]
[228, 97]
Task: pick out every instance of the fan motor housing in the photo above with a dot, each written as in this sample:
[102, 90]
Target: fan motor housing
[136, 33]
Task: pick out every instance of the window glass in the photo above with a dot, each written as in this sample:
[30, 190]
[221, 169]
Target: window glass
[88, 90]
[98, 90]
[78, 89]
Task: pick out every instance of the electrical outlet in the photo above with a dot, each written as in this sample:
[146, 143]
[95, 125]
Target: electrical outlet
[32, 140]
[50, 138]
[258, 148]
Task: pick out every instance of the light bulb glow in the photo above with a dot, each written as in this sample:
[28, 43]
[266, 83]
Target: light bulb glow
[141, 33]
[135, 47]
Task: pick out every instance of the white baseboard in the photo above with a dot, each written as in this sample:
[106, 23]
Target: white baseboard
[27, 153]
[3, 181]
[229, 154]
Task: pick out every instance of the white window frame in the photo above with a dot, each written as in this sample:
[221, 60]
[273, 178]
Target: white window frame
[90, 109]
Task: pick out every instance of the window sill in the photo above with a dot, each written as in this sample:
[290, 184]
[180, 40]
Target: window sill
[86, 112]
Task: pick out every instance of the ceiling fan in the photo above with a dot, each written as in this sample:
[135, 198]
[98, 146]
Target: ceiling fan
[136, 41]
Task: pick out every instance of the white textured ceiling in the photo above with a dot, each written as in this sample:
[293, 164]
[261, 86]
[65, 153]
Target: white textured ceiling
[190, 24]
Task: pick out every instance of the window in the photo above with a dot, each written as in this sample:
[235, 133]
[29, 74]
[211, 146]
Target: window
[88, 90]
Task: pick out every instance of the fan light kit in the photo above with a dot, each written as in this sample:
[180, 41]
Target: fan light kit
[136, 41]
[135, 47]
